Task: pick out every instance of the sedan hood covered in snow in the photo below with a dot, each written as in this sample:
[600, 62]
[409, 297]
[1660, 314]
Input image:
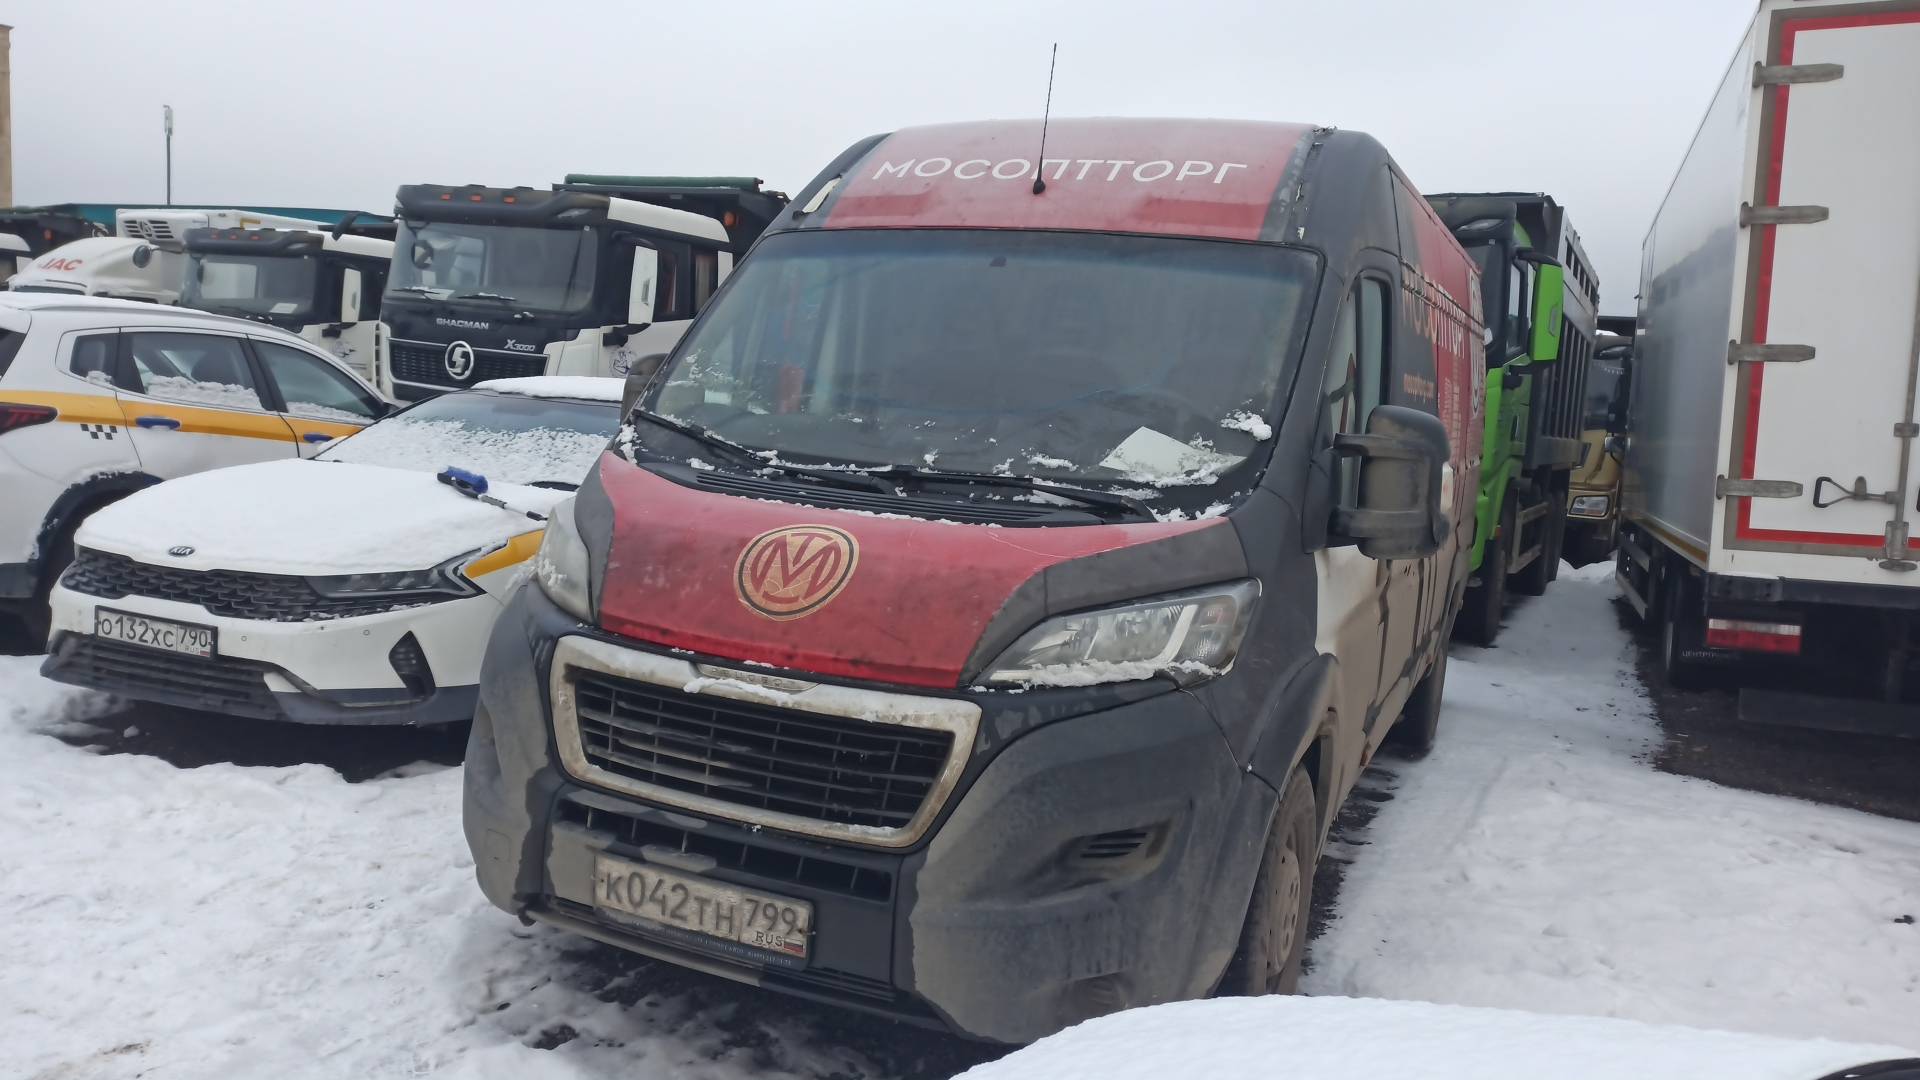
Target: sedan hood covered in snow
[1362, 1039]
[309, 518]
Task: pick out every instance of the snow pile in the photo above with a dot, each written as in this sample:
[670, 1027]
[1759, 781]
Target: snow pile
[582, 387]
[1348, 1039]
[31, 703]
[514, 457]
[182, 388]
[226, 922]
[1249, 423]
[309, 517]
[1535, 860]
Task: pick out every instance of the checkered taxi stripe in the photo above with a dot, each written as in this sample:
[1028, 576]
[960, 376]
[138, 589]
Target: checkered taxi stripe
[100, 431]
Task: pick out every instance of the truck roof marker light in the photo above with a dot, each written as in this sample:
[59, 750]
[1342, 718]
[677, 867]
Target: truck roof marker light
[729, 219]
[475, 197]
[446, 196]
[509, 198]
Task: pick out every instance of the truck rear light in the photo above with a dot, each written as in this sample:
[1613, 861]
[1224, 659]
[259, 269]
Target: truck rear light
[1748, 636]
[19, 416]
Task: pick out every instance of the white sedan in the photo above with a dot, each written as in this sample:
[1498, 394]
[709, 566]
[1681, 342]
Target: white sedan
[358, 587]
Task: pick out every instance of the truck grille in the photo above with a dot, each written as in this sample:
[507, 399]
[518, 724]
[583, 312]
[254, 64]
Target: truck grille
[425, 362]
[842, 771]
[229, 593]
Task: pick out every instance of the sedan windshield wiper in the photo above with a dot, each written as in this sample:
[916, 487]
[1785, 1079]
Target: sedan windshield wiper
[859, 481]
[1092, 498]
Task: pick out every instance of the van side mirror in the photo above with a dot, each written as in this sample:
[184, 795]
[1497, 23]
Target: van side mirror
[1399, 515]
[1549, 300]
[646, 277]
[638, 376]
[349, 296]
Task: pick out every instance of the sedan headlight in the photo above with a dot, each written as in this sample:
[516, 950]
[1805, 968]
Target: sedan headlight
[1189, 637]
[440, 582]
[561, 567]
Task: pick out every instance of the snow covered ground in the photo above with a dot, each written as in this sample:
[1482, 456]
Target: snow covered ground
[250, 921]
[1534, 860]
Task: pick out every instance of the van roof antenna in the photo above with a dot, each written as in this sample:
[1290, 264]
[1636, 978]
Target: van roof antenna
[1039, 183]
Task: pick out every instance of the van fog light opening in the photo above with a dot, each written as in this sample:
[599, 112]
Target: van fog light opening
[1189, 637]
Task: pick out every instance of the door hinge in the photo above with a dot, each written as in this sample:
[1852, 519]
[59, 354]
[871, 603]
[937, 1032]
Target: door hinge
[1794, 74]
[1749, 353]
[1781, 215]
[1896, 549]
[1756, 489]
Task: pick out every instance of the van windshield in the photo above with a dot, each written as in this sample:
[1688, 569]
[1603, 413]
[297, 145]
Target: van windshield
[274, 286]
[1128, 360]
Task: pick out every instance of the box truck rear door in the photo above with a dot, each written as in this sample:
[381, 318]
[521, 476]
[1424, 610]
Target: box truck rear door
[1834, 229]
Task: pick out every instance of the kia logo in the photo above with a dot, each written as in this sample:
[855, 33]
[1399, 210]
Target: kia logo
[459, 360]
[180, 552]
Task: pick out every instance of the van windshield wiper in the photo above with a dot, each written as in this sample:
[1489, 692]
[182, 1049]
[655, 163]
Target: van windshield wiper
[859, 481]
[1092, 498]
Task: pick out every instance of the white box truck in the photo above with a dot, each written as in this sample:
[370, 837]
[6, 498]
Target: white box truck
[1770, 487]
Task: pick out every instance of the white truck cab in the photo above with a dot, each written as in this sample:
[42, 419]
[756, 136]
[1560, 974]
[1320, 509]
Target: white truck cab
[143, 260]
[322, 285]
[585, 279]
[15, 255]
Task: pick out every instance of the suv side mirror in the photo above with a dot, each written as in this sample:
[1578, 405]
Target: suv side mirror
[646, 276]
[1401, 455]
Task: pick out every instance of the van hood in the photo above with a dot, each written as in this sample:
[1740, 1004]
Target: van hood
[858, 595]
[309, 518]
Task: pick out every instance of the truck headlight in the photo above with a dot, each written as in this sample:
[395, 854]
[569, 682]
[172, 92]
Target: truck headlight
[1188, 637]
[561, 567]
[1589, 506]
[440, 582]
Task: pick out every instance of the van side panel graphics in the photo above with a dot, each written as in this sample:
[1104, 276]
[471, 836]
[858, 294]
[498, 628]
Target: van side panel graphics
[910, 613]
[1209, 178]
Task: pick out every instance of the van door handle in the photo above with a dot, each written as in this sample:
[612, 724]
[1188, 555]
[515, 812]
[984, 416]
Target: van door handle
[167, 422]
[317, 436]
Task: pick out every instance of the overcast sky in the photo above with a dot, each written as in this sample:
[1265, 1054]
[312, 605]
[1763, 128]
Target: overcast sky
[335, 104]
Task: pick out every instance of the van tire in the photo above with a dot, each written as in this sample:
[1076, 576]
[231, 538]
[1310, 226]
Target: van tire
[1419, 724]
[1480, 611]
[1273, 938]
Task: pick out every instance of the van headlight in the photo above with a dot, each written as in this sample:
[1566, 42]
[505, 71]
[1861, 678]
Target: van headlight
[1188, 637]
[561, 567]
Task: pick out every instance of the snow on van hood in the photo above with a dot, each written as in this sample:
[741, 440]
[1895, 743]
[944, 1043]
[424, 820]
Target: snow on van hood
[1363, 1039]
[309, 517]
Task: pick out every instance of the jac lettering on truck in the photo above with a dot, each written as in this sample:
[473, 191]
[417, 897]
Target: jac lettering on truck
[987, 606]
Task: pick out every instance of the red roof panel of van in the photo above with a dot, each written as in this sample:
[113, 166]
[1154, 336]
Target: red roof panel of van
[1209, 178]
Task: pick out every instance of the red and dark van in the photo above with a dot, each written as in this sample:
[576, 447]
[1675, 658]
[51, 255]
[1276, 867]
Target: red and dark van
[989, 602]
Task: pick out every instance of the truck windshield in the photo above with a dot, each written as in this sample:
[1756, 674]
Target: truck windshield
[1604, 373]
[530, 268]
[269, 285]
[1077, 356]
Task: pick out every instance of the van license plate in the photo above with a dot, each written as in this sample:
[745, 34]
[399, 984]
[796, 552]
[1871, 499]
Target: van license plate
[684, 902]
[153, 633]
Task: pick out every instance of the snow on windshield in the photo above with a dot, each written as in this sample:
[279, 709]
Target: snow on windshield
[517, 457]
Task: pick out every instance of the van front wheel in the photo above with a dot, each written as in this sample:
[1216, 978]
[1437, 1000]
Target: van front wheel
[1273, 939]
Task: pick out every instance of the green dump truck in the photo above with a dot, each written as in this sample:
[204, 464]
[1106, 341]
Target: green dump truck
[1539, 297]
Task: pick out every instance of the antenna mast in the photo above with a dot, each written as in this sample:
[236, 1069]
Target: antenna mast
[1039, 183]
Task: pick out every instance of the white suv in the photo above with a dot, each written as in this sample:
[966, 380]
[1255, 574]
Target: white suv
[100, 398]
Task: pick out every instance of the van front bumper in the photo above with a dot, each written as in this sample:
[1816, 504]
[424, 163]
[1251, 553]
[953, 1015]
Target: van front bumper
[1085, 862]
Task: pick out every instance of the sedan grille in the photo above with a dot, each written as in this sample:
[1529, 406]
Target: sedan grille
[426, 362]
[831, 769]
[229, 593]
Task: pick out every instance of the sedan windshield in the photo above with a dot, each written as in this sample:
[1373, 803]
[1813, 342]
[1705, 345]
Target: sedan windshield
[1075, 356]
[508, 438]
[529, 268]
[266, 285]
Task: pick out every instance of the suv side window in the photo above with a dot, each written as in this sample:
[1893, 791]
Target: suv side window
[197, 369]
[312, 388]
[93, 358]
